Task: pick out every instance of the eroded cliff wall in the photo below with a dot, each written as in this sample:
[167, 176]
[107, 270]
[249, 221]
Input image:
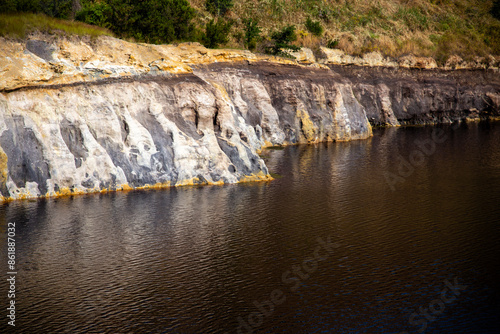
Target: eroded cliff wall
[394, 96]
[82, 116]
[197, 127]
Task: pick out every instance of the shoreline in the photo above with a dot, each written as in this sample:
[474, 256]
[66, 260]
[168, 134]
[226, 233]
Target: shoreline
[189, 183]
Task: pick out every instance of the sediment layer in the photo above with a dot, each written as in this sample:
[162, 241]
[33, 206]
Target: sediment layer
[82, 116]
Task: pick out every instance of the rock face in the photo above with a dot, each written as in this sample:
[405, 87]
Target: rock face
[413, 96]
[202, 126]
[82, 116]
[112, 136]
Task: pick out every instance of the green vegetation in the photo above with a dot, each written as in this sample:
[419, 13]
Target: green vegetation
[62, 9]
[252, 33]
[282, 42]
[437, 28]
[332, 44]
[216, 33]
[95, 13]
[218, 7]
[314, 27]
[19, 25]
[152, 21]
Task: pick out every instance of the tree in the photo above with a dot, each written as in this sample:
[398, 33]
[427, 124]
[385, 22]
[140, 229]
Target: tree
[218, 7]
[216, 32]
[282, 42]
[154, 21]
[95, 13]
[61, 9]
[10, 6]
[55, 8]
[252, 32]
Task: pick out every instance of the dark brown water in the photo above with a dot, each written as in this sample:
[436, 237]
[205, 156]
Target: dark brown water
[213, 259]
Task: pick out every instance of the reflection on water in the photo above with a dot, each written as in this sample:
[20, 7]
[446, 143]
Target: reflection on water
[203, 259]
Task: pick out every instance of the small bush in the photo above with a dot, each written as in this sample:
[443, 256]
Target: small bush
[282, 42]
[332, 44]
[239, 36]
[252, 33]
[216, 33]
[314, 27]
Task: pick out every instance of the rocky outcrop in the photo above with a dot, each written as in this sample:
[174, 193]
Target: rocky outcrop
[375, 58]
[104, 125]
[393, 96]
[83, 115]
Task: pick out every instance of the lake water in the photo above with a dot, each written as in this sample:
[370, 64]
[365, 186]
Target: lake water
[398, 233]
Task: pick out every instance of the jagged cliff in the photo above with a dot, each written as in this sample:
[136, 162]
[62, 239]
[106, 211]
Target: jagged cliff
[81, 116]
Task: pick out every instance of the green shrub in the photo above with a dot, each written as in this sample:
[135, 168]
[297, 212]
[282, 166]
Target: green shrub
[314, 27]
[216, 33]
[154, 21]
[252, 33]
[282, 42]
[97, 14]
[332, 44]
[218, 7]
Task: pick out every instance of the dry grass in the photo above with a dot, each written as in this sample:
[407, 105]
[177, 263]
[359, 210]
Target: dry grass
[435, 28]
[308, 40]
[20, 24]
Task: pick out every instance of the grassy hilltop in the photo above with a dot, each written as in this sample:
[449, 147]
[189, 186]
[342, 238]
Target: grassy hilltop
[437, 28]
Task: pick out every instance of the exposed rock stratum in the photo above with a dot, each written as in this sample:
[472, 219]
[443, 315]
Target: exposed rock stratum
[79, 116]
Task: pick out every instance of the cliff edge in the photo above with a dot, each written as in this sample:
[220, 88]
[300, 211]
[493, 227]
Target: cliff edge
[80, 116]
